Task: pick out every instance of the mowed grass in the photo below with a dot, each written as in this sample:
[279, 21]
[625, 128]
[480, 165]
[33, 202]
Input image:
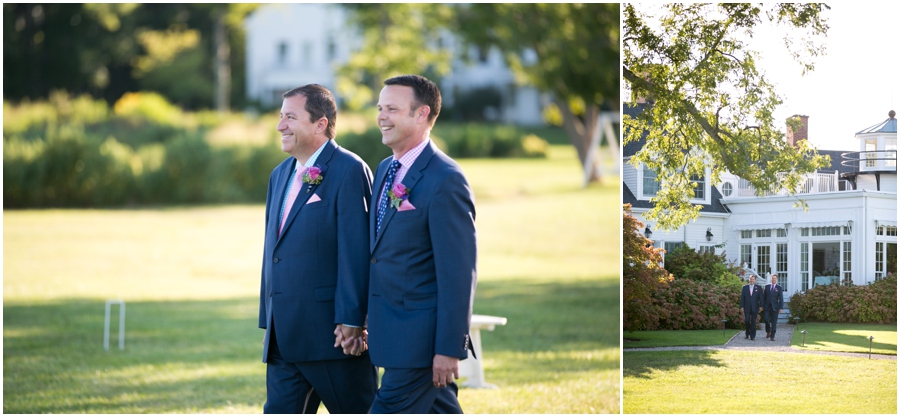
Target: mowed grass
[846, 337]
[720, 381]
[548, 261]
[659, 338]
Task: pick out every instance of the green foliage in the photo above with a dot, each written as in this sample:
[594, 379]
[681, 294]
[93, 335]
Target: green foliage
[476, 140]
[642, 276]
[691, 305]
[872, 303]
[711, 107]
[684, 262]
[406, 38]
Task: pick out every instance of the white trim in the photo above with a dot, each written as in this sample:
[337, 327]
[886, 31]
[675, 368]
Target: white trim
[761, 226]
[826, 223]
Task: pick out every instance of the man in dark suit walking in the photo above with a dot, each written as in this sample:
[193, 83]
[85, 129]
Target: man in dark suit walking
[751, 306]
[422, 271]
[315, 270]
[773, 302]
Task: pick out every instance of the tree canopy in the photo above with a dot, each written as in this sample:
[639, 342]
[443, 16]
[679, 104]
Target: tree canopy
[710, 106]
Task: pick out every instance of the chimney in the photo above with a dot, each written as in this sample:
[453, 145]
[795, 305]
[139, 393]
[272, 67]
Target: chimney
[802, 132]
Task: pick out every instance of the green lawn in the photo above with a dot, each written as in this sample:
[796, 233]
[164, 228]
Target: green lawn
[660, 338]
[845, 337]
[719, 381]
[548, 261]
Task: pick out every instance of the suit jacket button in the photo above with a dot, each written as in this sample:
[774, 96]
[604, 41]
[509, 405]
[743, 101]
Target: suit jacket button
[374, 260]
[275, 260]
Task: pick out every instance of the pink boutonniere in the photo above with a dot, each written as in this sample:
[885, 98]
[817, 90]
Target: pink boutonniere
[398, 195]
[313, 176]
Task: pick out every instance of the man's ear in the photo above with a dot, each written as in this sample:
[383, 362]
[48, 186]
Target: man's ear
[321, 124]
[423, 112]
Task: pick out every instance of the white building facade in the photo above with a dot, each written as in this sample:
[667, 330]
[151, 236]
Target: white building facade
[848, 235]
[282, 55]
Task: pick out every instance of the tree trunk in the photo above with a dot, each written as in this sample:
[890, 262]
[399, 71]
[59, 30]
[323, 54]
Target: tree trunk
[223, 64]
[580, 134]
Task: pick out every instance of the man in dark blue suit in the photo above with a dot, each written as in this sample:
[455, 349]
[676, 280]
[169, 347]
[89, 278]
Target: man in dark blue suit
[773, 302]
[315, 270]
[751, 306]
[423, 255]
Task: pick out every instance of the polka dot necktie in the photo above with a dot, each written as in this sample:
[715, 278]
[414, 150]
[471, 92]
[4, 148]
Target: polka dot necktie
[383, 204]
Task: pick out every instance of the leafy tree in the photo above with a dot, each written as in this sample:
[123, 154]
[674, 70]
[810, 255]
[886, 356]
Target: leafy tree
[641, 276]
[397, 38]
[711, 106]
[575, 48]
[686, 263]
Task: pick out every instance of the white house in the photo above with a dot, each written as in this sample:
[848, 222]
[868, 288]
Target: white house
[289, 45]
[848, 236]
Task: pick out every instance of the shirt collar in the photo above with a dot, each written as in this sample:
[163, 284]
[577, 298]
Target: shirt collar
[312, 159]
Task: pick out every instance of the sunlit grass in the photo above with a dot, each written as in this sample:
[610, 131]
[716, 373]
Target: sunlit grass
[657, 338]
[548, 261]
[755, 382]
[847, 337]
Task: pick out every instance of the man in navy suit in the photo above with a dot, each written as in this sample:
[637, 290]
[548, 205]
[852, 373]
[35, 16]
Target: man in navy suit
[751, 306]
[423, 253]
[773, 302]
[315, 270]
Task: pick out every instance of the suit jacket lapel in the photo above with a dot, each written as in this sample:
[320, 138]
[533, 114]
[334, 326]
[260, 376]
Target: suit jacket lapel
[380, 174]
[410, 180]
[306, 192]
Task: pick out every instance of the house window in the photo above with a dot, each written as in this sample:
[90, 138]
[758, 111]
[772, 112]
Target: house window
[763, 259]
[781, 263]
[307, 54]
[879, 260]
[282, 53]
[651, 184]
[804, 231]
[746, 257]
[890, 145]
[870, 155]
[781, 232]
[804, 266]
[700, 189]
[886, 231]
[848, 278]
[763, 232]
[331, 48]
[671, 246]
[827, 231]
[746, 234]
[727, 189]
[704, 249]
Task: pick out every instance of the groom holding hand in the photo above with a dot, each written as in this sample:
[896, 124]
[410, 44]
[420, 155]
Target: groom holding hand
[423, 253]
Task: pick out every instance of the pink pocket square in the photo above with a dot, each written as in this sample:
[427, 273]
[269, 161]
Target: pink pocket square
[313, 199]
[406, 205]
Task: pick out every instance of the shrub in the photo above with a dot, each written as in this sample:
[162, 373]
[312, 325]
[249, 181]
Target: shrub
[480, 140]
[684, 262]
[696, 305]
[872, 303]
[641, 276]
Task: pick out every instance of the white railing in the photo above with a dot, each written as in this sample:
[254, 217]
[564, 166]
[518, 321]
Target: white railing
[811, 184]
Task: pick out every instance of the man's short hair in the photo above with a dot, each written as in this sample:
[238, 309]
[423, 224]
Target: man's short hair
[426, 92]
[319, 102]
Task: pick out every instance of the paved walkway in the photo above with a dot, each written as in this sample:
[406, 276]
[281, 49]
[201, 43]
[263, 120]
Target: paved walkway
[782, 343]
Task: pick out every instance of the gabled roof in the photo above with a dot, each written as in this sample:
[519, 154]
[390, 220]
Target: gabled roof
[887, 126]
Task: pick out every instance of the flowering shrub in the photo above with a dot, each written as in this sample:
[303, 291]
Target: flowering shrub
[872, 303]
[684, 304]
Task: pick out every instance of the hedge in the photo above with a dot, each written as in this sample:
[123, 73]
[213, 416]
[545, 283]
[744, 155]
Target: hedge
[872, 303]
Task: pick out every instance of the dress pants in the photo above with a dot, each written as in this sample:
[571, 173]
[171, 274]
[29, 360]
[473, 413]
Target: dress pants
[411, 391]
[771, 321]
[346, 386]
[750, 323]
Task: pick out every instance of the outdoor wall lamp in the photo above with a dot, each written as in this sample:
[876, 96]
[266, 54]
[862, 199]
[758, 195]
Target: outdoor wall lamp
[709, 234]
[648, 232]
[804, 338]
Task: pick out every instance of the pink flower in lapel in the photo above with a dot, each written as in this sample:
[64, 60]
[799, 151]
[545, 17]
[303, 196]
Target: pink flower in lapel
[398, 194]
[313, 176]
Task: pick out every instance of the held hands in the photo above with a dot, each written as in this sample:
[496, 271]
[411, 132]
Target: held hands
[353, 340]
[444, 370]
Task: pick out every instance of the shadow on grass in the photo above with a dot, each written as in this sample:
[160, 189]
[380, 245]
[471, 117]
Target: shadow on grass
[643, 364]
[554, 330]
[184, 356]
